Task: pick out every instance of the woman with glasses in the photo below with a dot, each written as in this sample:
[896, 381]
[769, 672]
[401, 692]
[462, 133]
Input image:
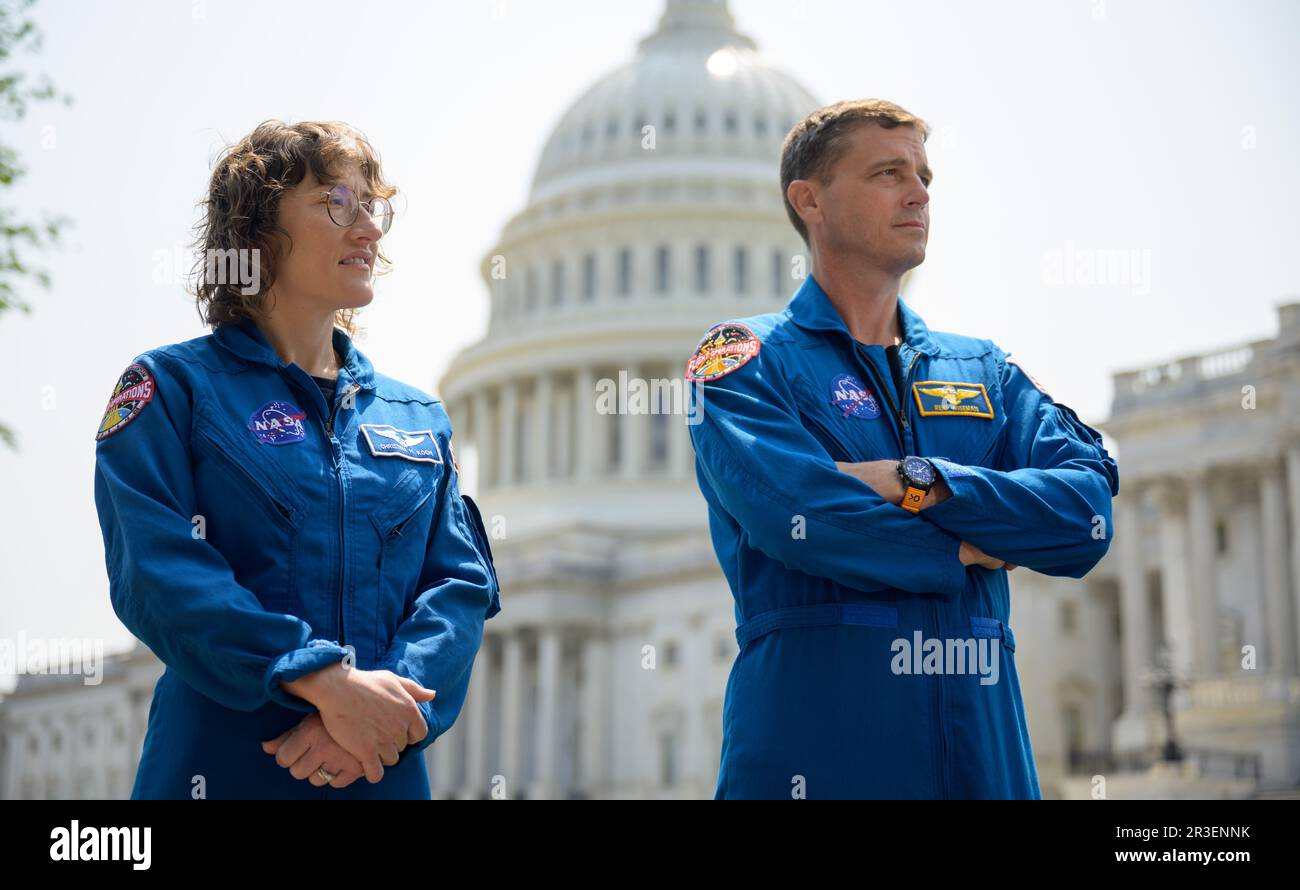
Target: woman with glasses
[283, 525]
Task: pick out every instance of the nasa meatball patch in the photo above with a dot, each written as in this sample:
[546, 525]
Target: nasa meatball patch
[278, 423]
[852, 399]
[134, 390]
[725, 348]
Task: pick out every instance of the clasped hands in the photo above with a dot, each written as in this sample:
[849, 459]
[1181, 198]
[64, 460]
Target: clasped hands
[882, 476]
[363, 721]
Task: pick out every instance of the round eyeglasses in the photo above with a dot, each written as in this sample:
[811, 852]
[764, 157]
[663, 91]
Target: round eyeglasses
[342, 205]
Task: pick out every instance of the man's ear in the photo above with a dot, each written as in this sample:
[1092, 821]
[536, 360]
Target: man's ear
[802, 195]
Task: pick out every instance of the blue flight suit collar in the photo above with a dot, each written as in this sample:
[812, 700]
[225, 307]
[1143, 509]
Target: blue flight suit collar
[812, 310]
[247, 341]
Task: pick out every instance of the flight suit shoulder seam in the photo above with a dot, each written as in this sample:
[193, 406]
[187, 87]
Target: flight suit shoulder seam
[175, 362]
[406, 400]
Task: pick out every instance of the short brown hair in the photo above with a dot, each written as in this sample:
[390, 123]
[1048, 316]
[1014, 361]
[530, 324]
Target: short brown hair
[812, 147]
[240, 210]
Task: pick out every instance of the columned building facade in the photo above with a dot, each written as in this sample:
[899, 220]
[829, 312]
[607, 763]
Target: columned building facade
[1199, 597]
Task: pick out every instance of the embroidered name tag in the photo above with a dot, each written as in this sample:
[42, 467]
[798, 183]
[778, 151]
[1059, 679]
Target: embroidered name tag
[946, 398]
[386, 440]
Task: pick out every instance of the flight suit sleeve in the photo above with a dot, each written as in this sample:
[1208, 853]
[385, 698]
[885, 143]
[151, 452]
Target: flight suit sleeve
[1047, 505]
[436, 643]
[768, 471]
[168, 585]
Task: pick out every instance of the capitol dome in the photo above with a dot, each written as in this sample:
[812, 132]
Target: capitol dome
[703, 89]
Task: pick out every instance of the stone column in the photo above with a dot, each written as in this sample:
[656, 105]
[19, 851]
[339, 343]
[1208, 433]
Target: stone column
[562, 430]
[635, 428]
[1179, 608]
[1293, 496]
[1279, 617]
[545, 786]
[438, 757]
[540, 449]
[506, 410]
[1203, 559]
[485, 440]
[511, 712]
[695, 666]
[681, 453]
[477, 701]
[594, 768]
[459, 423]
[1132, 730]
[15, 766]
[587, 454]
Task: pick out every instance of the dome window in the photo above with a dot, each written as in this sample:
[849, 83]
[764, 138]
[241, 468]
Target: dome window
[557, 282]
[663, 269]
[659, 431]
[530, 290]
[702, 269]
[625, 271]
[742, 269]
[589, 277]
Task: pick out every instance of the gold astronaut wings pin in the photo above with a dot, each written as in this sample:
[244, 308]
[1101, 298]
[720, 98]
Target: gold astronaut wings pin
[949, 398]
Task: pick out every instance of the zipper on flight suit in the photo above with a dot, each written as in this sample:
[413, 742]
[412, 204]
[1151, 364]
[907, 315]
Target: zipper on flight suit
[933, 609]
[889, 395]
[336, 449]
[336, 453]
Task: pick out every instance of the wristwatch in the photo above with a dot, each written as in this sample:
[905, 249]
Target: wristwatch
[918, 477]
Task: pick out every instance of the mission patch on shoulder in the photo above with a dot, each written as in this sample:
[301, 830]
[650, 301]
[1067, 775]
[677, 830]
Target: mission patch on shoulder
[1032, 378]
[134, 390]
[725, 348]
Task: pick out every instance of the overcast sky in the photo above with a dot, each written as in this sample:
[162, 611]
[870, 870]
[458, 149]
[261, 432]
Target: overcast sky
[1162, 130]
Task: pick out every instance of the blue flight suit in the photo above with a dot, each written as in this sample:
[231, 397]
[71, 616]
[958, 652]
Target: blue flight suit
[254, 534]
[827, 575]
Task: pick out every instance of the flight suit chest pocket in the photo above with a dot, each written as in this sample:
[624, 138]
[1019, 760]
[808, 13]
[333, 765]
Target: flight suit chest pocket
[846, 417]
[261, 482]
[958, 413]
[402, 522]
[249, 511]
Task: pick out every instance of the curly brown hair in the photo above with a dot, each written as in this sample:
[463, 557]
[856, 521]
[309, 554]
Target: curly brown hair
[813, 145]
[241, 208]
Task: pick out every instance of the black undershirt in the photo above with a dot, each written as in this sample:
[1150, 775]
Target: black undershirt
[327, 388]
[896, 365]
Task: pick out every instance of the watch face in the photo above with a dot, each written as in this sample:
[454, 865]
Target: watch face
[919, 470]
